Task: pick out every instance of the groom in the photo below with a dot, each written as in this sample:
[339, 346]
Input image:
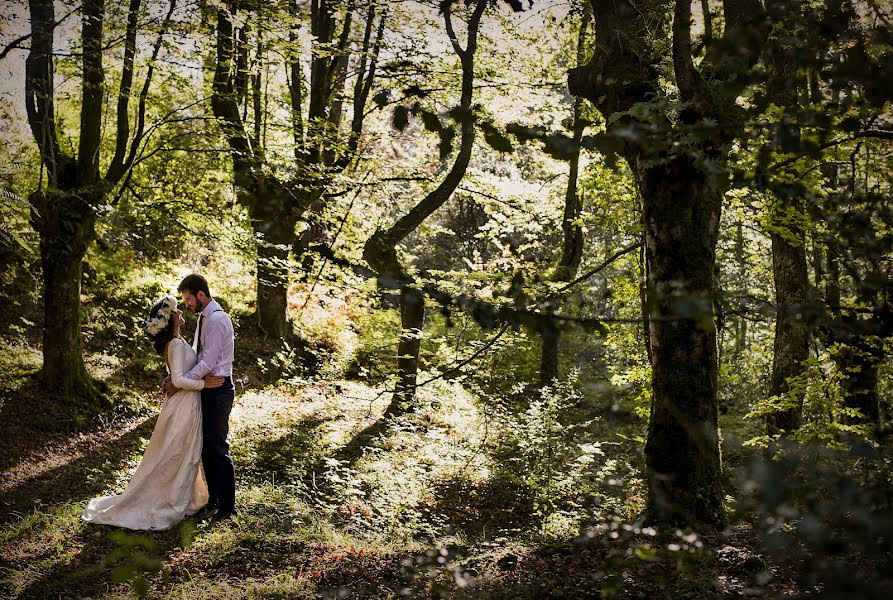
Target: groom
[214, 345]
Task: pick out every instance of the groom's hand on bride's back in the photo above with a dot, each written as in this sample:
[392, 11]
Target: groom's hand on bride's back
[212, 381]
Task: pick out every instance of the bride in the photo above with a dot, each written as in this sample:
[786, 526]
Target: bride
[169, 483]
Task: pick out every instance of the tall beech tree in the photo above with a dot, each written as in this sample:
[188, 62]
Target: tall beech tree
[822, 81]
[784, 80]
[679, 168]
[65, 206]
[380, 250]
[275, 203]
[572, 230]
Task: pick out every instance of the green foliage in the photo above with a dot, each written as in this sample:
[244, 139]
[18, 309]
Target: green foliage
[817, 507]
[826, 419]
[546, 457]
[132, 559]
[744, 376]
[373, 359]
[491, 465]
[284, 364]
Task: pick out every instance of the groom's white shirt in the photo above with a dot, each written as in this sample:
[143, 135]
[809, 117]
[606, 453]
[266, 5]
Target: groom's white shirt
[218, 344]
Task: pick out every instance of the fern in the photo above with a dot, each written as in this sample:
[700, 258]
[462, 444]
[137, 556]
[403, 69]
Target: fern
[10, 195]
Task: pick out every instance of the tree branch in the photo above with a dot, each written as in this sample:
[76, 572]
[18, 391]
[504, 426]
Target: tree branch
[93, 15]
[123, 117]
[40, 88]
[14, 45]
[434, 200]
[592, 272]
[363, 85]
[223, 100]
[878, 134]
[144, 94]
[687, 78]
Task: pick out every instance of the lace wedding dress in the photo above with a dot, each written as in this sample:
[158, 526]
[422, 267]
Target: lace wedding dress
[169, 483]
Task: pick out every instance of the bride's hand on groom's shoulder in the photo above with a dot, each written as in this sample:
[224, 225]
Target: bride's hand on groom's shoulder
[212, 381]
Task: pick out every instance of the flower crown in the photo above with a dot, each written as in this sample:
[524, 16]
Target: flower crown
[155, 325]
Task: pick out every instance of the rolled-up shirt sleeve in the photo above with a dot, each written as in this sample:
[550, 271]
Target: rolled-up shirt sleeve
[212, 346]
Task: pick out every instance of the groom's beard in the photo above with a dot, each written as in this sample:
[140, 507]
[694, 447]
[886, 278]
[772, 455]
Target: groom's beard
[199, 306]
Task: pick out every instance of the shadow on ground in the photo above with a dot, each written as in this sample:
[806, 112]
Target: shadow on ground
[83, 477]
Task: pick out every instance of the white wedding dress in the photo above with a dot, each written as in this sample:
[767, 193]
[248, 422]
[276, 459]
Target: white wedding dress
[169, 482]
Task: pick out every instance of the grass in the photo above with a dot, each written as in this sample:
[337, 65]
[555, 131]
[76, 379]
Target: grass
[419, 508]
[336, 501]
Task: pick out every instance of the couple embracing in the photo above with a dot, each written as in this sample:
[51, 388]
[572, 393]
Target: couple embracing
[186, 468]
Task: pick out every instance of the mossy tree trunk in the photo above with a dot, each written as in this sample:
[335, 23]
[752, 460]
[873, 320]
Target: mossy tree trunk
[681, 206]
[789, 267]
[681, 182]
[65, 222]
[65, 206]
[274, 229]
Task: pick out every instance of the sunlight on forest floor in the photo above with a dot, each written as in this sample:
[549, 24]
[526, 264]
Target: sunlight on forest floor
[308, 491]
[334, 499]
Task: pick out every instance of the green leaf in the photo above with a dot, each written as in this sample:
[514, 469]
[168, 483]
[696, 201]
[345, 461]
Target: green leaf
[382, 97]
[416, 91]
[122, 573]
[431, 120]
[461, 115]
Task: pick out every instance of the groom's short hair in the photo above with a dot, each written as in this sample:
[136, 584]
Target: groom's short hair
[194, 284]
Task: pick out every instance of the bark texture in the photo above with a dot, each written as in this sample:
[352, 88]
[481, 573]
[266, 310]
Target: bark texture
[682, 449]
[65, 223]
[65, 205]
[681, 192]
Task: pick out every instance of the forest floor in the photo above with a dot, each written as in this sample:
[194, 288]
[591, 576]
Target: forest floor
[334, 503]
[337, 502]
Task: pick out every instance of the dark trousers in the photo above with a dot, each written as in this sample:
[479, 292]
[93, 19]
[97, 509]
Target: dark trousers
[216, 406]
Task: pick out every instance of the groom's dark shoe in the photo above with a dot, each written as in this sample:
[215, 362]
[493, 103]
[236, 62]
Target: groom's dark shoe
[223, 515]
[206, 513]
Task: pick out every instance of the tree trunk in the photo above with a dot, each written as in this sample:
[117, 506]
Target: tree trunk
[681, 201]
[412, 321]
[551, 338]
[273, 219]
[64, 213]
[65, 222]
[792, 332]
[682, 452]
[792, 335]
[741, 329]
[272, 282]
[271, 205]
[381, 255]
[380, 250]
[571, 256]
[572, 242]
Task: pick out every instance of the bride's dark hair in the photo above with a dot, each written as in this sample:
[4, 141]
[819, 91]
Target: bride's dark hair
[161, 339]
